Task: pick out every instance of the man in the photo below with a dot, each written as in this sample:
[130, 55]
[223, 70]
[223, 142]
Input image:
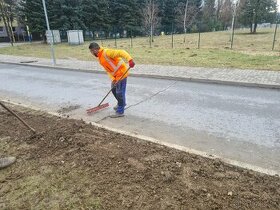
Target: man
[5, 162]
[112, 61]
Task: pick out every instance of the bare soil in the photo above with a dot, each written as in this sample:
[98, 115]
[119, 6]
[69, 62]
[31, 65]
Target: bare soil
[69, 164]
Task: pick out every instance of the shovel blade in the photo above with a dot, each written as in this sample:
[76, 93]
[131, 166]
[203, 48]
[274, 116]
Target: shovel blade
[97, 108]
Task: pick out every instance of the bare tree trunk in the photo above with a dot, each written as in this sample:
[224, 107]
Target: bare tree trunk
[185, 19]
[255, 27]
[152, 18]
[255, 18]
[11, 29]
[6, 22]
[251, 27]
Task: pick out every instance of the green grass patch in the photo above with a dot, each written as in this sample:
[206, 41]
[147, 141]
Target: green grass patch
[250, 51]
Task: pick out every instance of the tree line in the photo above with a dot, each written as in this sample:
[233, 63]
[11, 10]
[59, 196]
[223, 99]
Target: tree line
[138, 17]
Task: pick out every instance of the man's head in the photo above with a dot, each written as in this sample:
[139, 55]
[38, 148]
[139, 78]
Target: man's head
[94, 48]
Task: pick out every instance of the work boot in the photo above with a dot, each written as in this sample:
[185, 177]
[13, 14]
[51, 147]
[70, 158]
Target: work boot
[5, 162]
[117, 115]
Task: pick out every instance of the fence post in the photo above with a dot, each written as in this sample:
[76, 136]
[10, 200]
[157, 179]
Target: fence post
[115, 37]
[172, 35]
[131, 44]
[274, 37]
[198, 43]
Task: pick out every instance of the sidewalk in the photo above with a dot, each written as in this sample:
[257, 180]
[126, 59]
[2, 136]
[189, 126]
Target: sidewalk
[243, 77]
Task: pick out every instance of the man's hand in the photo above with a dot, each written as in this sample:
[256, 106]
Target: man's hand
[131, 63]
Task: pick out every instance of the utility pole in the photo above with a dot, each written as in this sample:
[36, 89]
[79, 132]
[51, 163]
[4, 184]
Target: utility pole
[48, 28]
[233, 24]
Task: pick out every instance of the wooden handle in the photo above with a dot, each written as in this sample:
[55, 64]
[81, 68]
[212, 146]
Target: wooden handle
[9, 110]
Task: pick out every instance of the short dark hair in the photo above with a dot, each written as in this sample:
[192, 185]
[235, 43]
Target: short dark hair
[94, 45]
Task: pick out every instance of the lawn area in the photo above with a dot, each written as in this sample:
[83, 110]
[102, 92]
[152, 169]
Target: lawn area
[250, 51]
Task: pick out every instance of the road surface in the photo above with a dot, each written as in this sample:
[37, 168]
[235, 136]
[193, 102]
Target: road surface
[237, 123]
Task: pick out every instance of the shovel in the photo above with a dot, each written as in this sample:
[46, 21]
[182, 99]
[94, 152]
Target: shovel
[21, 120]
[103, 106]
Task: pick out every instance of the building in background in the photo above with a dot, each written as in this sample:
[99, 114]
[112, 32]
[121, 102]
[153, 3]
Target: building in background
[19, 32]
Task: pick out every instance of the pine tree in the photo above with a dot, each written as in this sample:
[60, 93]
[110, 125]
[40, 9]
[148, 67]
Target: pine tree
[33, 15]
[66, 14]
[253, 12]
[125, 15]
[95, 14]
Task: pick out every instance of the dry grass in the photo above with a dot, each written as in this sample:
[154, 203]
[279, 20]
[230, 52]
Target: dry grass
[249, 50]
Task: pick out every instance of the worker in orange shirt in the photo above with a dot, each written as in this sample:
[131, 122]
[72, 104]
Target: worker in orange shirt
[113, 63]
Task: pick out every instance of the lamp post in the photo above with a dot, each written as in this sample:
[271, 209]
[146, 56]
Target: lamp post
[48, 28]
[233, 24]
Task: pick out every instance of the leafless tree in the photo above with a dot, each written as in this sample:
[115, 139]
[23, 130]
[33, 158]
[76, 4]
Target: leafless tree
[6, 10]
[185, 19]
[150, 17]
[226, 12]
[186, 15]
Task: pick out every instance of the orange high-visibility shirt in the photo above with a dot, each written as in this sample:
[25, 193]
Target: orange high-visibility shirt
[113, 63]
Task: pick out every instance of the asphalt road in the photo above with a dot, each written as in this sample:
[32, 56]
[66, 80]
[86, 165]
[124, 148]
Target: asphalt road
[237, 123]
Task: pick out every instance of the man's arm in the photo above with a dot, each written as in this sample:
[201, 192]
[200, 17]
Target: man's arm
[121, 53]
[118, 53]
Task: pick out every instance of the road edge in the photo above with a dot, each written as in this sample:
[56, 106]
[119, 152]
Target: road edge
[186, 79]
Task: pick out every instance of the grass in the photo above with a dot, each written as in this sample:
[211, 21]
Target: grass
[250, 51]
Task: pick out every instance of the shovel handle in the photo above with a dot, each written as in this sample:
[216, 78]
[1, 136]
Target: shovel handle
[21, 120]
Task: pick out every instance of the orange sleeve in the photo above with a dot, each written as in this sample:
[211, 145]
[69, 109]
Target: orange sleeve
[118, 53]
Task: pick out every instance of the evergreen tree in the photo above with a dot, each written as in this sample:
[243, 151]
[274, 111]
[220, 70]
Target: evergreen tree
[32, 13]
[252, 12]
[168, 14]
[95, 14]
[66, 14]
[209, 15]
[125, 15]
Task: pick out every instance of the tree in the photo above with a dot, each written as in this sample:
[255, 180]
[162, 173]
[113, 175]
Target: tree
[150, 17]
[8, 14]
[32, 15]
[125, 15]
[253, 12]
[95, 14]
[209, 14]
[66, 14]
[187, 13]
[226, 13]
[168, 14]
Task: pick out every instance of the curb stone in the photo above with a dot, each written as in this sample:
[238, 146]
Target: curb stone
[154, 76]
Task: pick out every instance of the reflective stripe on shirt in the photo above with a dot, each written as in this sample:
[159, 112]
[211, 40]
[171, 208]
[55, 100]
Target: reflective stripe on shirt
[114, 67]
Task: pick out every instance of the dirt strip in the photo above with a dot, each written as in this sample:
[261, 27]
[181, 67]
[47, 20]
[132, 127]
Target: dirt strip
[73, 165]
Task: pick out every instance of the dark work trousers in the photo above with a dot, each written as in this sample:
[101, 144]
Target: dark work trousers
[119, 93]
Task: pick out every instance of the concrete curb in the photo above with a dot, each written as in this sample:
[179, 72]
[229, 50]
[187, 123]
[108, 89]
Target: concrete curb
[170, 145]
[187, 79]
